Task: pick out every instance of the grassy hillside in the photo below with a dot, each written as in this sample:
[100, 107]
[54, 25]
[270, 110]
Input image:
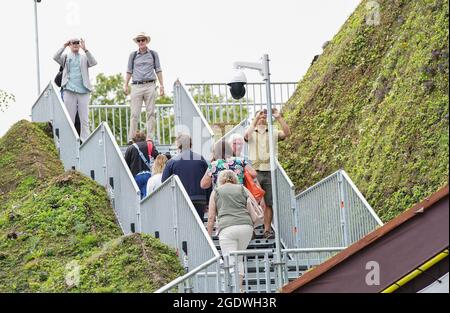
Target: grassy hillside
[375, 103]
[58, 232]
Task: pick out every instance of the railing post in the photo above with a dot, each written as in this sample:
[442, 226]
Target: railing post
[285, 266]
[105, 169]
[237, 285]
[343, 209]
[175, 213]
[226, 269]
[267, 272]
[218, 276]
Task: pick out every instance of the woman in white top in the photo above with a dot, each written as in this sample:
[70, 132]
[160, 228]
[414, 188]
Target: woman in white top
[157, 170]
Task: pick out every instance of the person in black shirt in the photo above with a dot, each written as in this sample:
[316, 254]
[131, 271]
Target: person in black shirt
[139, 159]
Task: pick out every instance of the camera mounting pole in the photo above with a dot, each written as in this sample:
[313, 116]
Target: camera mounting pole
[263, 69]
[37, 46]
[252, 66]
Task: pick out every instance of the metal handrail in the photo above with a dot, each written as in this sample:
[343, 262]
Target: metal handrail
[51, 87]
[194, 212]
[321, 182]
[174, 283]
[191, 206]
[312, 250]
[361, 197]
[196, 108]
[50, 108]
[119, 152]
[251, 83]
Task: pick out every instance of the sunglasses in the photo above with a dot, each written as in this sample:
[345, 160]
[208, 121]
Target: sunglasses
[75, 42]
[141, 40]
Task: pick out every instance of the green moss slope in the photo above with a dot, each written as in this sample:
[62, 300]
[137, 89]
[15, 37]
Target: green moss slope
[58, 232]
[375, 103]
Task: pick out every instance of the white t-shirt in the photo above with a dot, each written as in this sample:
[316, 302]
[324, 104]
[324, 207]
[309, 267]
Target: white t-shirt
[153, 183]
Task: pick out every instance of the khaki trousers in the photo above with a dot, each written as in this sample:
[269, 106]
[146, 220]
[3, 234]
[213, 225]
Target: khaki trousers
[145, 93]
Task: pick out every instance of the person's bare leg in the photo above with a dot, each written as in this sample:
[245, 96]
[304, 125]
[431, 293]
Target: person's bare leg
[268, 214]
[241, 283]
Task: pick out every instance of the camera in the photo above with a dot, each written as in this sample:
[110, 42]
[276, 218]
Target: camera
[237, 85]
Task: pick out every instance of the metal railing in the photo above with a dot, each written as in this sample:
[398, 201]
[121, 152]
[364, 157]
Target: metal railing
[189, 119]
[300, 260]
[287, 208]
[118, 117]
[192, 281]
[212, 99]
[217, 275]
[218, 106]
[333, 213]
[50, 108]
[102, 160]
[168, 214]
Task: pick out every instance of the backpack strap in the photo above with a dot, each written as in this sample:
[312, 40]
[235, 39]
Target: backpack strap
[135, 55]
[150, 149]
[132, 63]
[143, 157]
[153, 56]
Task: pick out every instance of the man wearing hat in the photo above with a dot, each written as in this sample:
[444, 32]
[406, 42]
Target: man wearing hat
[75, 81]
[143, 68]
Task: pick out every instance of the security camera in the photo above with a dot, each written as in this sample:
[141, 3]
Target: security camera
[237, 85]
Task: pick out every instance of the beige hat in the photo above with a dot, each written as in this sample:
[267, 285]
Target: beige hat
[140, 35]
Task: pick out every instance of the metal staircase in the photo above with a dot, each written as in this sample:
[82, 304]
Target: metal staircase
[314, 225]
[255, 277]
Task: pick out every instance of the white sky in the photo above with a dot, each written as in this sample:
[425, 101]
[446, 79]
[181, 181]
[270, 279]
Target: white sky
[197, 40]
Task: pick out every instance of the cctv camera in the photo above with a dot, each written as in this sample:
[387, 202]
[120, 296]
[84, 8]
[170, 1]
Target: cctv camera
[237, 85]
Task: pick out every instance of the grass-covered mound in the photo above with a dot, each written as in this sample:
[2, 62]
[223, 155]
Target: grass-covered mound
[375, 103]
[58, 232]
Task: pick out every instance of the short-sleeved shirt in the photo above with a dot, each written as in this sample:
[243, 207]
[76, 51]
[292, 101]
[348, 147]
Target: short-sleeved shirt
[258, 148]
[237, 165]
[145, 68]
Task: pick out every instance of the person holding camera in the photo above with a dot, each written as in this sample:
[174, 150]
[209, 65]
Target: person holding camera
[143, 68]
[257, 137]
[75, 81]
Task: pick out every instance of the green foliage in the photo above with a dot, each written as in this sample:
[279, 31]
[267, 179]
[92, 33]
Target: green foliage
[5, 100]
[376, 104]
[58, 232]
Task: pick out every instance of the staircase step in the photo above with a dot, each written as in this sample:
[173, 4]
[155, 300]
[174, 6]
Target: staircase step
[252, 278]
[255, 244]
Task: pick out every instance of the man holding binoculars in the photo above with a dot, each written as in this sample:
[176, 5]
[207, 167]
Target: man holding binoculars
[75, 81]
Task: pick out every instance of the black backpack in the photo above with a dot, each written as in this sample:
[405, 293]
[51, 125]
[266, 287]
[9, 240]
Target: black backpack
[58, 77]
